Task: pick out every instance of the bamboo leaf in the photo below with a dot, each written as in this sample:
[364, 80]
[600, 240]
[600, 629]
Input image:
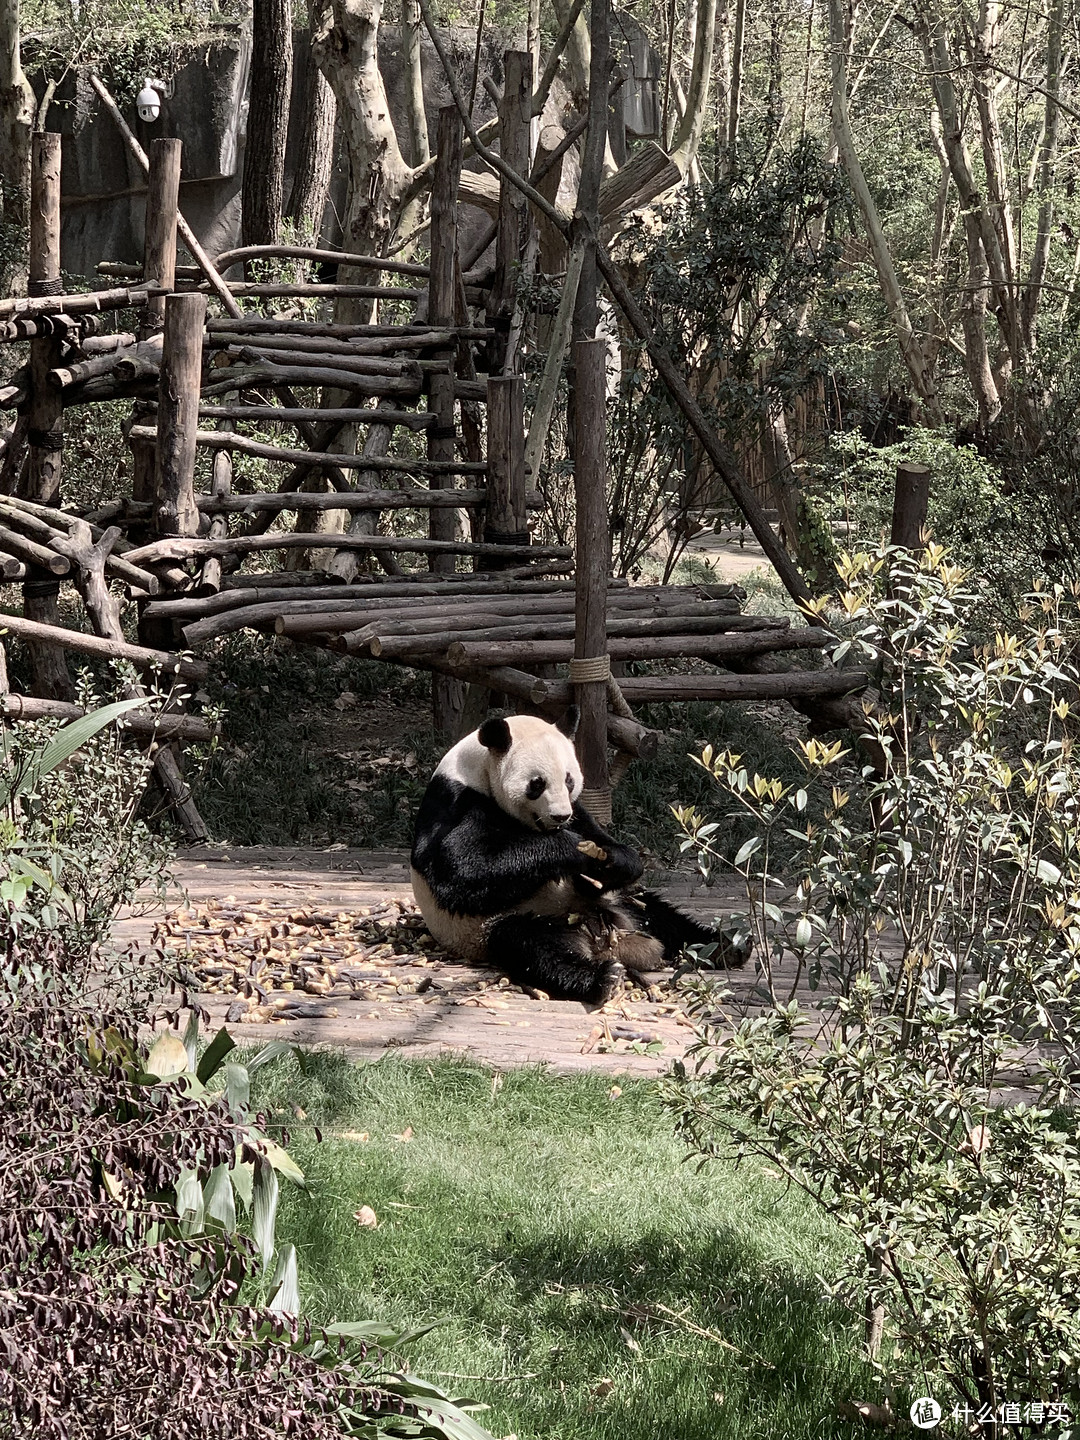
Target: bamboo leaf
[68, 739]
[243, 1180]
[285, 1291]
[191, 1041]
[189, 1203]
[264, 1210]
[218, 1203]
[213, 1055]
[280, 1159]
[237, 1089]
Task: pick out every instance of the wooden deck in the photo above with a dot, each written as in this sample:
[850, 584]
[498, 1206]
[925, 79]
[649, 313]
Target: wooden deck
[330, 951]
[325, 947]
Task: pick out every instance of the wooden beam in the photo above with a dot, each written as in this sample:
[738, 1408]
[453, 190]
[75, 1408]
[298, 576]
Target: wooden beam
[139, 655]
[218, 440]
[166, 725]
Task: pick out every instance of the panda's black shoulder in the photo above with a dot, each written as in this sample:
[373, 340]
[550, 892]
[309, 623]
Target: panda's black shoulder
[447, 806]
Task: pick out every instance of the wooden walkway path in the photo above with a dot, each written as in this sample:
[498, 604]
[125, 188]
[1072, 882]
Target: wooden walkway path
[329, 949]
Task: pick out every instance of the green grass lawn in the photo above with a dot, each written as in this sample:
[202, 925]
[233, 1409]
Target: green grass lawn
[591, 1283]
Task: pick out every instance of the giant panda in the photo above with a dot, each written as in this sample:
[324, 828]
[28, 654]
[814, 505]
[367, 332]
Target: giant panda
[510, 870]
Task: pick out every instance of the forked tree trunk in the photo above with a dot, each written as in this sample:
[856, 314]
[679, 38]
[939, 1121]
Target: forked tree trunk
[688, 133]
[412, 215]
[268, 120]
[346, 48]
[315, 158]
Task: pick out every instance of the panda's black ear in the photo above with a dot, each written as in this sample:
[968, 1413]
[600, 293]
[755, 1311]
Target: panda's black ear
[569, 722]
[494, 735]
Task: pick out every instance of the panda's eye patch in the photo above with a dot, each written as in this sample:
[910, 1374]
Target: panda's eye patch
[570, 783]
[536, 787]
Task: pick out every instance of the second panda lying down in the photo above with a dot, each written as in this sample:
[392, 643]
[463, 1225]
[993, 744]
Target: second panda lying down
[509, 869]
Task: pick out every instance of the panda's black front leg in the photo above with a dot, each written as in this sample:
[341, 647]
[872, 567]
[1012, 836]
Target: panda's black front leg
[603, 858]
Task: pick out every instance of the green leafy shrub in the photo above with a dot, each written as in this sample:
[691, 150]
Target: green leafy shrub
[134, 1296]
[984, 516]
[68, 802]
[925, 1098]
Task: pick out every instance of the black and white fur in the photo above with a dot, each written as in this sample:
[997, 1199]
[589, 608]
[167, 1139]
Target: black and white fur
[500, 877]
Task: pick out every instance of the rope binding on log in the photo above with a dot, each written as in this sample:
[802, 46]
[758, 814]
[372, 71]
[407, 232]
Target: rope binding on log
[594, 668]
[598, 804]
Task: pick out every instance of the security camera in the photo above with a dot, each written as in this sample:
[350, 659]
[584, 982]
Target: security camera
[148, 102]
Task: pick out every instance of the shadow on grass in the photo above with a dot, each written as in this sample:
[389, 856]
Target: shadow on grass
[591, 1284]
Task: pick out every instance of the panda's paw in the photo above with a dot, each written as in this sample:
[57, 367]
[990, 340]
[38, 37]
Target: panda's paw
[609, 978]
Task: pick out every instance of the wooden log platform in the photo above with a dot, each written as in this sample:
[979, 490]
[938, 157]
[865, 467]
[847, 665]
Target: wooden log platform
[193, 548]
[241, 444]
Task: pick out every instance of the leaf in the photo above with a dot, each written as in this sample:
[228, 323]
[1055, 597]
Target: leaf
[214, 1054]
[237, 1088]
[374, 1332]
[445, 1417]
[804, 933]
[189, 1202]
[243, 1180]
[1047, 873]
[264, 1210]
[167, 1057]
[749, 848]
[218, 1203]
[366, 1218]
[280, 1159]
[64, 744]
[405, 1136]
[22, 864]
[191, 1042]
[273, 1051]
[285, 1288]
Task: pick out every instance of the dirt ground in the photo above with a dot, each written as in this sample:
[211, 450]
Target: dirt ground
[326, 947]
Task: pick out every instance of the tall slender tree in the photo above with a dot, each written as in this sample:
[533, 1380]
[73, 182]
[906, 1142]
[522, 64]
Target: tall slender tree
[268, 120]
[315, 155]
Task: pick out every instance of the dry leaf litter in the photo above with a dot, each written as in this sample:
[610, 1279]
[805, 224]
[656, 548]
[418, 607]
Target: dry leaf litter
[283, 962]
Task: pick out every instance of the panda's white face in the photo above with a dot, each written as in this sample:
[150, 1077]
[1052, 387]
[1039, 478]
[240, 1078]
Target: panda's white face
[538, 778]
[527, 766]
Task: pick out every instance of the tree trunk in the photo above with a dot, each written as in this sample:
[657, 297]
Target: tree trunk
[346, 48]
[16, 126]
[731, 140]
[1047, 160]
[943, 66]
[268, 120]
[315, 160]
[910, 349]
[688, 133]
[411, 219]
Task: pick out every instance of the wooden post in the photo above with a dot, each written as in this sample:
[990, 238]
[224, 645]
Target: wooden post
[162, 205]
[911, 500]
[159, 268]
[506, 522]
[447, 694]
[45, 412]
[515, 124]
[590, 667]
[175, 509]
